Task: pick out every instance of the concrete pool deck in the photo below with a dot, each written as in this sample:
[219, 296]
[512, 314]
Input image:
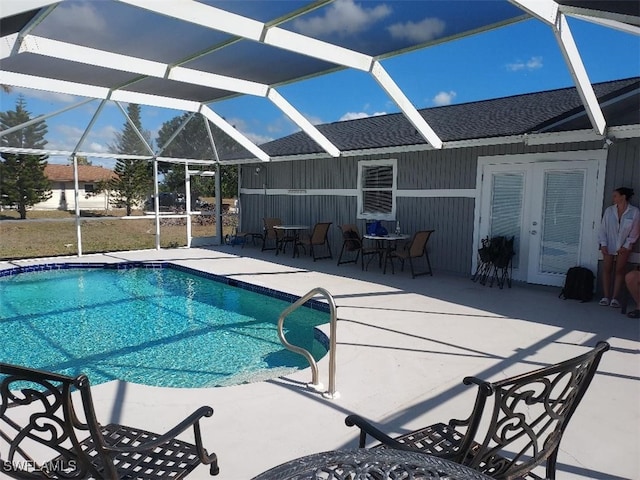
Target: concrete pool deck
[403, 348]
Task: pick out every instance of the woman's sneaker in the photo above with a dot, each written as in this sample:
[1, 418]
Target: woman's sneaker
[604, 302]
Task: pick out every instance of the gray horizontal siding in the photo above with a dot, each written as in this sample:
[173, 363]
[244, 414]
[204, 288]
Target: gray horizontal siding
[623, 170]
[451, 247]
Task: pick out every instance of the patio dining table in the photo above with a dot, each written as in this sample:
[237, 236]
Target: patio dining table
[295, 231]
[364, 464]
[386, 244]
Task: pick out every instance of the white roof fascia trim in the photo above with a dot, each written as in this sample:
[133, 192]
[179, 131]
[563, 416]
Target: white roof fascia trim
[545, 10]
[154, 100]
[51, 85]
[44, 117]
[312, 47]
[91, 56]
[135, 128]
[605, 22]
[204, 15]
[10, 9]
[398, 96]
[303, 123]
[576, 67]
[7, 45]
[233, 133]
[625, 131]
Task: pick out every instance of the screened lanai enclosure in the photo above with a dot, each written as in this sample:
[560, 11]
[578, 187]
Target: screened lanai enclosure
[181, 60]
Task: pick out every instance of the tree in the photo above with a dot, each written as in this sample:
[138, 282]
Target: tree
[134, 181]
[22, 179]
[193, 142]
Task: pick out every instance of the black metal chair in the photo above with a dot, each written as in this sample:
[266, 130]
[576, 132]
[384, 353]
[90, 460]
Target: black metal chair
[522, 426]
[495, 261]
[37, 414]
[352, 242]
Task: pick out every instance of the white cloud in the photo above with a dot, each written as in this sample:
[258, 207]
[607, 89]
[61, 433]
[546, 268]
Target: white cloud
[355, 115]
[534, 63]
[423, 31]
[258, 139]
[45, 96]
[343, 17]
[65, 137]
[444, 98]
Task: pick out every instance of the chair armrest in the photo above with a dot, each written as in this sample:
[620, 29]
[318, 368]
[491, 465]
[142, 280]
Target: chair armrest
[367, 428]
[191, 420]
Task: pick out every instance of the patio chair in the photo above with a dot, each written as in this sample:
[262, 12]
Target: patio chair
[415, 249]
[352, 242]
[317, 239]
[37, 414]
[520, 429]
[272, 235]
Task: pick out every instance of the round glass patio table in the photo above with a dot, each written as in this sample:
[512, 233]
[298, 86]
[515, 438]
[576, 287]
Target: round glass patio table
[365, 464]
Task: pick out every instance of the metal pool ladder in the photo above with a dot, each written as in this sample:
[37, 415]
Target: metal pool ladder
[315, 384]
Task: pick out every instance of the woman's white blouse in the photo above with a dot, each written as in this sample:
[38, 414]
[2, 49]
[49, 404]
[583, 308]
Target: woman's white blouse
[619, 232]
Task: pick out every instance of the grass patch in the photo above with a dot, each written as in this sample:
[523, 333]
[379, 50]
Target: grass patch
[53, 233]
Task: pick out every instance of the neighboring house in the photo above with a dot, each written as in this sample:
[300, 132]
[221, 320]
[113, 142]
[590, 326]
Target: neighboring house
[529, 165]
[62, 188]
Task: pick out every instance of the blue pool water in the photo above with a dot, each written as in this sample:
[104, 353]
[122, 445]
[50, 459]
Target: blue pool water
[155, 326]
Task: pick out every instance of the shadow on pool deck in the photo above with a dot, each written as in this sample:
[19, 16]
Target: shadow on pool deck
[403, 348]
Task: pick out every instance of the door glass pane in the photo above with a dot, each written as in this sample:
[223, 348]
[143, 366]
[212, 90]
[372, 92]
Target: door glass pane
[561, 220]
[506, 208]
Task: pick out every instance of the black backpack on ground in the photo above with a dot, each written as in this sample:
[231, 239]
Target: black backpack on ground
[578, 285]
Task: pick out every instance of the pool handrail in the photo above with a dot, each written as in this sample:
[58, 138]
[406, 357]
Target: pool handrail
[315, 384]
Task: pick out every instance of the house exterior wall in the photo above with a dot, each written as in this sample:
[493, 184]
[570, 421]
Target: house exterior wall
[436, 190]
[63, 198]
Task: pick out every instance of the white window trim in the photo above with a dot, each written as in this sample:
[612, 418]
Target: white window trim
[394, 189]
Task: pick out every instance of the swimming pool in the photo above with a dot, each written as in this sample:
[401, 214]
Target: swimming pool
[155, 324]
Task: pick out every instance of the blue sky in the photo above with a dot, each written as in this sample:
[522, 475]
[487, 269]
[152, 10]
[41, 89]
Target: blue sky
[515, 59]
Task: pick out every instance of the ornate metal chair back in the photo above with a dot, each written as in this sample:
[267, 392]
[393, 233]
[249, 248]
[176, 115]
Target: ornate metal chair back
[527, 416]
[37, 414]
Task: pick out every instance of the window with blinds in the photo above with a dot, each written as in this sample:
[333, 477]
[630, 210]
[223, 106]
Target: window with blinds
[506, 208]
[562, 220]
[377, 189]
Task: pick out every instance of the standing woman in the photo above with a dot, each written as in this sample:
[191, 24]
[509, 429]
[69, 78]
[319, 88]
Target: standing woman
[619, 230]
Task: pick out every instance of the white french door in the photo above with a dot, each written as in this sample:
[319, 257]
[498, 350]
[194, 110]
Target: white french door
[550, 209]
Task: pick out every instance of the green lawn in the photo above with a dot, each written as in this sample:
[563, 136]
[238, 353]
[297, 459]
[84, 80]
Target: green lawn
[57, 235]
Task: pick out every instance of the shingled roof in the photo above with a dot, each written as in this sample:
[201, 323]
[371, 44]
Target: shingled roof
[86, 173]
[500, 117]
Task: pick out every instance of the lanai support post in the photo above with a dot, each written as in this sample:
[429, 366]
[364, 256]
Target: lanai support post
[156, 201]
[76, 197]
